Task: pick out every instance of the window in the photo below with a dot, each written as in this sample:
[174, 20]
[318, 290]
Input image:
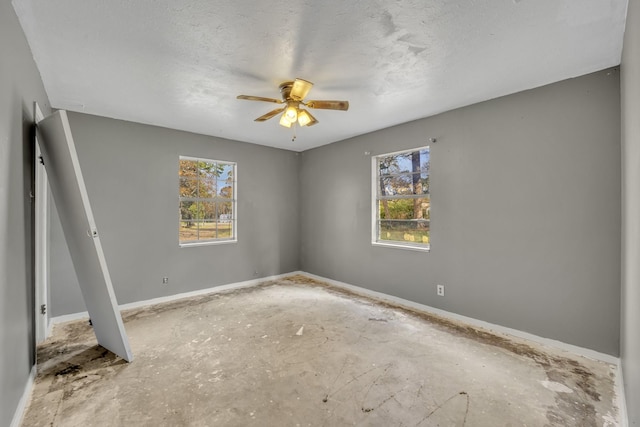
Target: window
[207, 201]
[401, 202]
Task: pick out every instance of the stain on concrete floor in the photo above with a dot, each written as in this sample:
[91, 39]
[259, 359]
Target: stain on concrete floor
[300, 352]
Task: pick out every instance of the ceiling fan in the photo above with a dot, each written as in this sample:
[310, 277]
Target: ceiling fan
[293, 94]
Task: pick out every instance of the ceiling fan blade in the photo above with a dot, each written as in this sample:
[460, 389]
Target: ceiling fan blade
[259, 98]
[328, 105]
[269, 115]
[300, 89]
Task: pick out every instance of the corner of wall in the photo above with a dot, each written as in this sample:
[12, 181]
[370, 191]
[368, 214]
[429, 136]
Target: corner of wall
[630, 277]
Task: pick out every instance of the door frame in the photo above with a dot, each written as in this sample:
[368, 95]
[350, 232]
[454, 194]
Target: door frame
[41, 238]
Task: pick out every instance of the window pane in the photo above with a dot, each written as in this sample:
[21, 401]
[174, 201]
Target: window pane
[418, 185]
[207, 189]
[188, 187]
[419, 160]
[188, 231]
[404, 208]
[207, 230]
[226, 190]
[188, 211]
[404, 184]
[188, 168]
[424, 183]
[206, 170]
[409, 161]
[225, 229]
[390, 165]
[400, 184]
[414, 231]
[208, 211]
[207, 225]
[225, 212]
[225, 173]
[225, 181]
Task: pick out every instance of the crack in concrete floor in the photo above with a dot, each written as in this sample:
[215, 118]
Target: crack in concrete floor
[298, 352]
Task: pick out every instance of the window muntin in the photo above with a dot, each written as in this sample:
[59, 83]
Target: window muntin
[401, 208]
[207, 201]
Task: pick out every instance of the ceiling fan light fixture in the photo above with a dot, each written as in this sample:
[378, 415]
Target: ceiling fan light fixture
[284, 121]
[293, 97]
[291, 113]
[304, 118]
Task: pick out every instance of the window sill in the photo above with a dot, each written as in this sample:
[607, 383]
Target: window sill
[402, 246]
[207, 243]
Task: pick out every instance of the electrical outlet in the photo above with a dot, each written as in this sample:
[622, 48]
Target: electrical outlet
[440, 290]
[165, 280]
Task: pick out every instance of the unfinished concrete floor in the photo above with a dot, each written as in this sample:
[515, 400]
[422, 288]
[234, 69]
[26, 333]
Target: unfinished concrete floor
[295, 352]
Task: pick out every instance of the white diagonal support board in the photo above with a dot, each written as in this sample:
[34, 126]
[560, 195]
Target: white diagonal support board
[80, 232]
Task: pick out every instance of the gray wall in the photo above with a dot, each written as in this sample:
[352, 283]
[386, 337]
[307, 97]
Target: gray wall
[525, 212]
[64, 291]
[20, 86]
[131, 174]
[630, 328]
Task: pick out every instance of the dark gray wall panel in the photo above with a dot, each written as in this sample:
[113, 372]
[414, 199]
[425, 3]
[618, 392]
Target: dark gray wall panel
[525, 212]
[20, 86]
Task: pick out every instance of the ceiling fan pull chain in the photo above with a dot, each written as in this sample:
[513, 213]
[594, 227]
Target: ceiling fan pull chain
[293, 128]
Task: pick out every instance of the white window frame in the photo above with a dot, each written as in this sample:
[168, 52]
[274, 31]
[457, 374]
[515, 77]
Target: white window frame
[234, 204]
[375, 208]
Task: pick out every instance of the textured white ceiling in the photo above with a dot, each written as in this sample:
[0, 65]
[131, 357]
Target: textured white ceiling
[181, 63]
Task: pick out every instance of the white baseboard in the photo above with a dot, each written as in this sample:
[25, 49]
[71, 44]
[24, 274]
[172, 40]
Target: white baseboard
[621, 400]
[580, 351]
[137, 304]
[24, 400]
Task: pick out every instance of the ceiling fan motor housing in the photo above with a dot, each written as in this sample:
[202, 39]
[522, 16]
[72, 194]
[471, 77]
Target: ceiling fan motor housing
[285, 90]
